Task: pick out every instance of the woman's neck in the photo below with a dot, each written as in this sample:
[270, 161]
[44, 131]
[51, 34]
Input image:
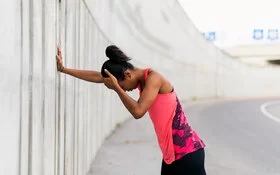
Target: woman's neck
[140, 75]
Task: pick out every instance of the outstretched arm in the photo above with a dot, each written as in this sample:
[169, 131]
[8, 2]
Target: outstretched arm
[87, 75]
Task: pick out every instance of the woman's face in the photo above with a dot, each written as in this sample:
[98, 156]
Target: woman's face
[130, 81]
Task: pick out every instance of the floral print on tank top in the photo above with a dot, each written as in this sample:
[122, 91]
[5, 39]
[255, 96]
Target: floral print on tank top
[183, 134]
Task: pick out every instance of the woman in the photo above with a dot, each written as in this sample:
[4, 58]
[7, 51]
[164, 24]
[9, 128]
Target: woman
[182, 149]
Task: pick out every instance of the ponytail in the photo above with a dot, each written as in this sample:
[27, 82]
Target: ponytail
[116, 55]
[117, 63]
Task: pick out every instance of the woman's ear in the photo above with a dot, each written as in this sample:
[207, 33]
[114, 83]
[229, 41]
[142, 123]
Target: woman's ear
[127, 74]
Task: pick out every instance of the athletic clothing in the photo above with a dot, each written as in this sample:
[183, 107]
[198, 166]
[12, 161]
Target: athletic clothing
[175, 136]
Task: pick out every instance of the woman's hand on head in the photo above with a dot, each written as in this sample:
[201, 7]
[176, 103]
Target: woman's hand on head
[59, 63]
[111, 82]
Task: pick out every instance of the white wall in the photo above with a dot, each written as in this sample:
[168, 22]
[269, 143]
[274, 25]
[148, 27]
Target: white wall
[54, 124]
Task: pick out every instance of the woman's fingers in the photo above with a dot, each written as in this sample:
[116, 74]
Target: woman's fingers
[108, 73]
[59, 59]
[112, 77]
[58, 50]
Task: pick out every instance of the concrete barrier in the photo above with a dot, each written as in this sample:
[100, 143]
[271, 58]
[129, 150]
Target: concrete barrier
[54, 124]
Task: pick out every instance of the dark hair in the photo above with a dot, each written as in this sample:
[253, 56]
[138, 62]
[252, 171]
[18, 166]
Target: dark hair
[117, 63]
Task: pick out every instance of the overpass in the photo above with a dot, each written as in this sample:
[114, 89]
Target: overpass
[256, 54]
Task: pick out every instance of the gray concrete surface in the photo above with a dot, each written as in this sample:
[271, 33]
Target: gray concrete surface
[240, 140]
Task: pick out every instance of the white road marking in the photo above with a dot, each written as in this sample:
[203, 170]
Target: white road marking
[268, 114]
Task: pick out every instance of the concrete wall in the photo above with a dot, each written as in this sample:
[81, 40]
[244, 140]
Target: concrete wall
[51, 123]
[54, 124]
[164, 38]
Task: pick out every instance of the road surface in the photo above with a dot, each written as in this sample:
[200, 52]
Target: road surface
[242, 138]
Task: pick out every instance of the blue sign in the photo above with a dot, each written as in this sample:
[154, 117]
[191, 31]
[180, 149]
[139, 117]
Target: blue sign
[272, 34]
[210, 36]
[258, 34]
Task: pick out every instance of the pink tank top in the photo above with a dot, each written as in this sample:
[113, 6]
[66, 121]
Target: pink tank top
[175, 136]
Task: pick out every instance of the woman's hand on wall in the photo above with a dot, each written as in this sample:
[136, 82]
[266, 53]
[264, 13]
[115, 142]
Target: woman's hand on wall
[59, 63]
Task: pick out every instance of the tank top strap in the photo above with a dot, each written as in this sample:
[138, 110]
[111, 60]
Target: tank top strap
[146, 73]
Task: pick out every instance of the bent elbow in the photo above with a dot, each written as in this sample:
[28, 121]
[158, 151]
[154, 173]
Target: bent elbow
[138, 115]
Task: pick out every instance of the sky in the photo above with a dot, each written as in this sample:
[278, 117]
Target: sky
[234, 21]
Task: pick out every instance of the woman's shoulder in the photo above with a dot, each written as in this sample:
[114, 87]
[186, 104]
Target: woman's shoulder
[164, 84]
[154, 73]
[154, 76]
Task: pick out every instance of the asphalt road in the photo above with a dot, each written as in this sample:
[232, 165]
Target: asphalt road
[242, 138]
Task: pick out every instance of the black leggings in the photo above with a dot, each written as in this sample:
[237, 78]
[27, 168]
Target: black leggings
[190, 164]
